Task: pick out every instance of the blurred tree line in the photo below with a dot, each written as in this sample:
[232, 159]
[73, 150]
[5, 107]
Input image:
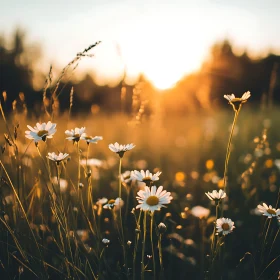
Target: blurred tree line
[223, 73]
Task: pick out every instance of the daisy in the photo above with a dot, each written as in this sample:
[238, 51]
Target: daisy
[106, 241]
[152, 199]
[114, 204]
[200, 212]
[231, 97]
[268, 210]
[62, 183]
[162, 228]
[41, 131]
[146, 177]
[57, 158]
[101, 201]
[126, 177]
[216, 196]
[90, 139]
[120, 149]
[224, 226]
[75, 134]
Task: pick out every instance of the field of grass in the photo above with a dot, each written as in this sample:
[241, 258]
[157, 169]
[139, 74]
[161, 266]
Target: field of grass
[53, 226]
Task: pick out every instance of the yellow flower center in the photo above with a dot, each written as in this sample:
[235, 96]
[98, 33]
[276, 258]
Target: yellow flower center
[271, 211]
[225, 226]
[152, 200]
[146, 179]
[111, 201]
[42, 133]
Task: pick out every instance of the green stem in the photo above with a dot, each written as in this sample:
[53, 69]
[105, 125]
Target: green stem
[152, 244]
[236, 113]
[79, 168]
[143, 246]
[120, 210]
[213, 244]
[160, 253]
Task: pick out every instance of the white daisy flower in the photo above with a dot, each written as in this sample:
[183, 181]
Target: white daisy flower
[243, 99]
[90, 139]
[57, 158]
[268, 211]
[216, 195]
[152, 199]
[41, 131]
[126, 177]
[101, 201]
[200, 212]
[62, 183]
[120, 149]
[146, 177]
[75, 134]
[114, 204]
[106, 241]
[224, 226]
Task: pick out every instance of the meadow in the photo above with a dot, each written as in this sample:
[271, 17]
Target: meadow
[54, 224]
[141, 196]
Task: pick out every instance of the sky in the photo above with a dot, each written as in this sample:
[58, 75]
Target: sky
[163, 39]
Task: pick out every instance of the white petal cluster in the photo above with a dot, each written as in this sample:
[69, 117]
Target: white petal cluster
[143, 176]
[243, 99]
[216, 195]
[126, 177]
[41, 131]
[152, 199]
[224, 226]
[200, 212]
[75, 134]
[120, 149]
[57, 158]
[268, 211]
[114, 204]
[102, 201]
[90, 139]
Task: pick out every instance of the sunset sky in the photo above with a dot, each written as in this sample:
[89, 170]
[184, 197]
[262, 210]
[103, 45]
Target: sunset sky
[162, 39]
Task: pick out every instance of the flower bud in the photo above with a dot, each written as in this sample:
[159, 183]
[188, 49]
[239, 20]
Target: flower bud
[162, 228]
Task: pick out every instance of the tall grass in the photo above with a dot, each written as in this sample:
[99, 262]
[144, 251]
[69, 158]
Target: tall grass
[54, 226]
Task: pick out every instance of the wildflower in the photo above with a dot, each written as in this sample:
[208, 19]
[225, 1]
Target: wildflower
[101, 201]
[152, 199]
[162, 228]
[146, 177]
[224, 226]
[106, 241]
[200, 212]
[41, 131]
[90, 139]
[120, 149]
[268, 210]
[129, 243]
[231, 97]
[57, 158]
[216, 196]
[114, 204]
[75, 134]
[63, 184]
[126, 177]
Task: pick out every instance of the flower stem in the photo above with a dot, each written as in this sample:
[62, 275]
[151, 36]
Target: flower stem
[236, 113]
[143, 246]
[152, 244]
[120, 209]
[160, 253]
